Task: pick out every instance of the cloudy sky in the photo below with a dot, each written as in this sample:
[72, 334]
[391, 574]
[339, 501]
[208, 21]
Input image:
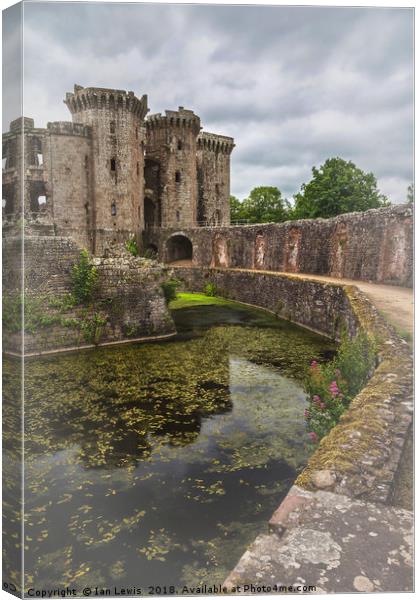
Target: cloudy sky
[292, 85]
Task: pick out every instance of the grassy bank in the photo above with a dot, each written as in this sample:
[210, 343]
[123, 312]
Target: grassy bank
[187, 300]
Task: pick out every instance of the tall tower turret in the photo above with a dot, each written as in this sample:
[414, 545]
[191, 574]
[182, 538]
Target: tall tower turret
[171, 169]
[213, 175]
[116, 118]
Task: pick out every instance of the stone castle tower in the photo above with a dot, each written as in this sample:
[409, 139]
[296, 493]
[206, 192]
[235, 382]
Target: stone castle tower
[172, 144]
[116, 121]
[113, 172]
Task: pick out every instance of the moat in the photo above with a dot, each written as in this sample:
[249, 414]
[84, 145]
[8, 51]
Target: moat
[157, 464]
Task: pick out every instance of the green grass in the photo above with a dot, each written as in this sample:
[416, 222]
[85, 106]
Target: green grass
[186, 300]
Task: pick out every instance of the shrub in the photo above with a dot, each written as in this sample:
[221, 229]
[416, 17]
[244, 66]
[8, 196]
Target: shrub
[150, 254]
[210, 289]
[332, 386]
[169, 289]
[131, 246]
[84, 278]
[92, 328]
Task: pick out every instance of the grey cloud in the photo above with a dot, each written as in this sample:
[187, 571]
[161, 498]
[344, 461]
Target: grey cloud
[293, 85]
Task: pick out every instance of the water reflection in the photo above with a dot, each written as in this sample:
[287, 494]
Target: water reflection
[158, 463]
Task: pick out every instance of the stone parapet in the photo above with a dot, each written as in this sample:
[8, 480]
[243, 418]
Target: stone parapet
[83, 99]
[376, 245]
[215, 142]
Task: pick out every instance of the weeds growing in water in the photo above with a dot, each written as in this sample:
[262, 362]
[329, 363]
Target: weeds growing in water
[332, 386]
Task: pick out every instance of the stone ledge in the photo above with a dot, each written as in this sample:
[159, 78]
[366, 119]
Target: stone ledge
[333, 542]
[364, 449]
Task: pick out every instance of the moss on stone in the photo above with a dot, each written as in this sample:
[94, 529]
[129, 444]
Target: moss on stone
[363, 438]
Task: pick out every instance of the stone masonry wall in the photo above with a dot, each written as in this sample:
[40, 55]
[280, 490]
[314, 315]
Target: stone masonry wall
[67, 151]
[376, 245]
[128, 303]
[322, 307]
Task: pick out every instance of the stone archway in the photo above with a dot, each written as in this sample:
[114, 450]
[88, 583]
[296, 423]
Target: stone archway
[179, 248]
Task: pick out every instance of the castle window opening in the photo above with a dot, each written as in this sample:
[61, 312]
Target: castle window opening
[113, 164]
[137, 133]
[113, 209]
[138, 169]
[112, 126]
[86, 161]
[178, 216]
[178, 176]
[37, 194]
[179, 145]
[40, 159]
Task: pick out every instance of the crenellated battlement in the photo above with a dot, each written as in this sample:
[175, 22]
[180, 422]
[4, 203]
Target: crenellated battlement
[69, 128]
[215, 142]
[175, 118]
[102, 98]
[112, 172]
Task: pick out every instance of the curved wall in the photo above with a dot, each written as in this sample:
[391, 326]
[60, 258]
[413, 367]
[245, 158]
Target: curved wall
[376, 245]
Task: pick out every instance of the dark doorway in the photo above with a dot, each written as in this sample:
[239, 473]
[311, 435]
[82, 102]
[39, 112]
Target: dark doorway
[150, 217]
[179, 247]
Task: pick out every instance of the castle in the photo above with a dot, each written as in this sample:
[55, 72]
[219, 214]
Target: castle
[114, 172]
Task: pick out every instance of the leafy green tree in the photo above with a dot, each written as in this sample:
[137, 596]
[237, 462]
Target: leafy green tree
[236, 213]
[410, 193]
[264, 205]
[337, 187]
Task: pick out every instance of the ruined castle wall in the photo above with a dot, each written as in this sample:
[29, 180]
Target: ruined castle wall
[11, 172]
[68, 163]
[172, 144]
[376, 245]
[213, 177]
[128, 300]
[23, 151]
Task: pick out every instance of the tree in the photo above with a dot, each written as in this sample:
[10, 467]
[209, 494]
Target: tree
[264, 205]
[236, 213]
[410, 193]
[337, 187]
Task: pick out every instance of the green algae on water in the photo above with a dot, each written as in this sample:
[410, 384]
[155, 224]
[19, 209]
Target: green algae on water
[149, 463]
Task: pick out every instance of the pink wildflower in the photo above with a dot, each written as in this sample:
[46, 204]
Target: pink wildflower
[313, 436]
[306, 412]
[322, 405]
[314, 364]
[316, 399]
[334, 389]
